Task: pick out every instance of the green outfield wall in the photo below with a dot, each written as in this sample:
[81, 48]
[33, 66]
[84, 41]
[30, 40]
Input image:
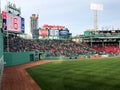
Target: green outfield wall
[1, 57]
[1, 44]
[16, 58]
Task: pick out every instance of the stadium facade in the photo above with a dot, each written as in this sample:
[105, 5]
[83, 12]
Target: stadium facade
[107, 41]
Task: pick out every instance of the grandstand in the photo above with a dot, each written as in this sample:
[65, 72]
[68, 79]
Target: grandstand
[47, 46]
[107, 41]
[93, 45]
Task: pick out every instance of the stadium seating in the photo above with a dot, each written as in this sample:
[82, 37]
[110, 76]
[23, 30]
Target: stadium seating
[49, 47]
[110, 48]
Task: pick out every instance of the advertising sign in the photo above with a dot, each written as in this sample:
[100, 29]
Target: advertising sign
[56, 32]
[43, 32]
[4, 24]
[51, 32]
[53, 26]
[4, 15]
[64, 32]
[22, 25]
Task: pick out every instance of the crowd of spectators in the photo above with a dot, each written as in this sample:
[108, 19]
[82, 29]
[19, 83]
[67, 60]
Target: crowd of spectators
[54, 47]
[16, 44]
[64, 47]
[112, 48]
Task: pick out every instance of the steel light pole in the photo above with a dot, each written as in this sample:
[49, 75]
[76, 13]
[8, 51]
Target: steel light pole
[96, 7]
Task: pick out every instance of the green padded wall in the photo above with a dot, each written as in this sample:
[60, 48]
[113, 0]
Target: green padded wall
[1, 44]
[15, 58]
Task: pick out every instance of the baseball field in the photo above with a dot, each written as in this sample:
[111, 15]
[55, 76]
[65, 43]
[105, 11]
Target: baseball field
[94, 74]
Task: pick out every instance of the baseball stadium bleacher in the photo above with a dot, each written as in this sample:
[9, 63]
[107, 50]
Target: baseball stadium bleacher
[103, 41]
[93, 45]
[49, 47]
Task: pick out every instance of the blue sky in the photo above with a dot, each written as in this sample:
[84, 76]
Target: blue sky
[73, 14]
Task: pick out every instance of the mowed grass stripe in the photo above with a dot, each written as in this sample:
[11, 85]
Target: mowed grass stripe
[94, 74]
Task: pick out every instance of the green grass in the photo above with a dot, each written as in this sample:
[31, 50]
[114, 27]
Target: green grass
[99, 74]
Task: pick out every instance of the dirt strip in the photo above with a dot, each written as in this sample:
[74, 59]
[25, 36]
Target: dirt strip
[16, 78]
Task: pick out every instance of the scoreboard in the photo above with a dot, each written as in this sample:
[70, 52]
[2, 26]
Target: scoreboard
[12, 22]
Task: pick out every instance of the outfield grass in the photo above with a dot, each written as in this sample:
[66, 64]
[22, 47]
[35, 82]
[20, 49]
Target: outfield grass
[99, 74]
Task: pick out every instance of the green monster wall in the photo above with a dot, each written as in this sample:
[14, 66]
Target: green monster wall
[1, 44]
[1, 57]
[16, 58]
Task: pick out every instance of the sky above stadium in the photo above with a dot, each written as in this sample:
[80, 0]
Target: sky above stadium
[73, 14]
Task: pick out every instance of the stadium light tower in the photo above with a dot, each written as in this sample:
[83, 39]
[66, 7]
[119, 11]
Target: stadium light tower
[96, 7]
